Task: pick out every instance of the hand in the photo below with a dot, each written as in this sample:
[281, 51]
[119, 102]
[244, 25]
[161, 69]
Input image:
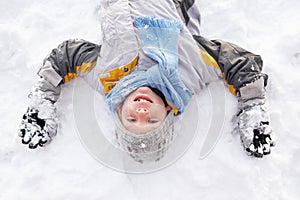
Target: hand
[36, 129]
[254, 128]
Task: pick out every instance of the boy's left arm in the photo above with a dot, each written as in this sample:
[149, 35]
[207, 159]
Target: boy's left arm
[242, 71]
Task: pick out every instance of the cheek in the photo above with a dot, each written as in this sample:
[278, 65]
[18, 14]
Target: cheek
[159, 112]
[125, 105]
[159, 101]
[127, 109]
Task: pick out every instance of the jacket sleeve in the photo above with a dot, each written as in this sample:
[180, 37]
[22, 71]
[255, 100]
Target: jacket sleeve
[70, 59]
[239, 67]
[189, 12]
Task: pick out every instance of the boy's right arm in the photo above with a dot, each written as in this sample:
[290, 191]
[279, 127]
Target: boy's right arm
[67, 61]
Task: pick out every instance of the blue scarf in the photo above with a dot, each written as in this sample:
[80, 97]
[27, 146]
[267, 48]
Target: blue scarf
[159, 39]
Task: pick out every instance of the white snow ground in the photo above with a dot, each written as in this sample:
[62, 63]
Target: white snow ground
[29, 29]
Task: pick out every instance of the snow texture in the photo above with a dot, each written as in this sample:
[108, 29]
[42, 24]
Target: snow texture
[29, 29]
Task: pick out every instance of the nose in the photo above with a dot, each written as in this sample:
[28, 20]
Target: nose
[142, 111]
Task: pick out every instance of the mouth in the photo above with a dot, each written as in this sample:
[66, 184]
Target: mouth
[142, 98]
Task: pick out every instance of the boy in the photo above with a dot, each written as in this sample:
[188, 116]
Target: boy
[151, 60]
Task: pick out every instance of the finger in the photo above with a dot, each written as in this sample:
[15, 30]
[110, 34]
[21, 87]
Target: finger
[22, 129]
[44, 140]
[27, 137]
[269, 139]
[26, 141]
[272, 140]
[32, 146]
[35, 139]
[258, 151]
[265, 141]
[266, 149]
[256, 141]
[254, 153]
[250, 150]
[21, 133]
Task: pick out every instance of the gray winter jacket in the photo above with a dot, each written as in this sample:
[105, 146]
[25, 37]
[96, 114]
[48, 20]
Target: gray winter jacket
[201, 61]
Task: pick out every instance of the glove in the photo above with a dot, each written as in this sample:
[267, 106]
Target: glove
[254, 127]
[39, 123]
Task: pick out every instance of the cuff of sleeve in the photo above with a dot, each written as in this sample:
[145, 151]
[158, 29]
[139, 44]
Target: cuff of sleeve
[50, 74]
[255, 89]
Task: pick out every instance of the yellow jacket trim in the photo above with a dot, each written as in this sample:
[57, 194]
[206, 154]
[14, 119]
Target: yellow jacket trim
[175, 110]
[69, 76]
[210, 61]
[84, 68]
[231, 89]
[110, 78]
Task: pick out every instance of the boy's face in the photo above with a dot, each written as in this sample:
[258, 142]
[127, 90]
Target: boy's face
[142, 111]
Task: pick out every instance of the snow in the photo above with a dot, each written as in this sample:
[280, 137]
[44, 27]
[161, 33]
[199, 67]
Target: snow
[29, 29]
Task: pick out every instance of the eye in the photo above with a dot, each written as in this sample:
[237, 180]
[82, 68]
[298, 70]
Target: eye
[131, 119]
[152, 121]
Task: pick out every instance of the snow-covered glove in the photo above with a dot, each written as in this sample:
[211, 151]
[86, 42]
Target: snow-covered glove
[254, 128]
[39, 123]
